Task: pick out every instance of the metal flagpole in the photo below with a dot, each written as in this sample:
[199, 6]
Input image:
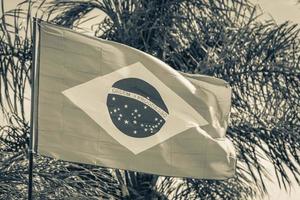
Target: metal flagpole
[33, 114]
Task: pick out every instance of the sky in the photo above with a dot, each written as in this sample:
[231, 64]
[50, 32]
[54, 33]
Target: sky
[280, 11]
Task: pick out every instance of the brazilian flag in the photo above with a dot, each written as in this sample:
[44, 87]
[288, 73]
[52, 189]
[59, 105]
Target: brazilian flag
[104, 103]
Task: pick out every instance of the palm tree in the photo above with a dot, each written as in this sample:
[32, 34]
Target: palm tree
[222, 38]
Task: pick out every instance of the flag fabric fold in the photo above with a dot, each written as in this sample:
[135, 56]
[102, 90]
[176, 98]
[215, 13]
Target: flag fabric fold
[108, 104]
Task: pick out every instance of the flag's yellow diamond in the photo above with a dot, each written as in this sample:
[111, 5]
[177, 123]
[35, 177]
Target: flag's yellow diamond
[135, 107]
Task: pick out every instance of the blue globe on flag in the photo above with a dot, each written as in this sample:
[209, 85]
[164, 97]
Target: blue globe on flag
[136, 108]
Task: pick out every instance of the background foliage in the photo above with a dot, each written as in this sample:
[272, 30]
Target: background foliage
[221, 38]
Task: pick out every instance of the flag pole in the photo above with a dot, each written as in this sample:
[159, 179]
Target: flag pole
[30, 174]
[33, 125]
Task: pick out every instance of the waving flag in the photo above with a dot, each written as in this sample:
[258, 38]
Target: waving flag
[104, 103]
